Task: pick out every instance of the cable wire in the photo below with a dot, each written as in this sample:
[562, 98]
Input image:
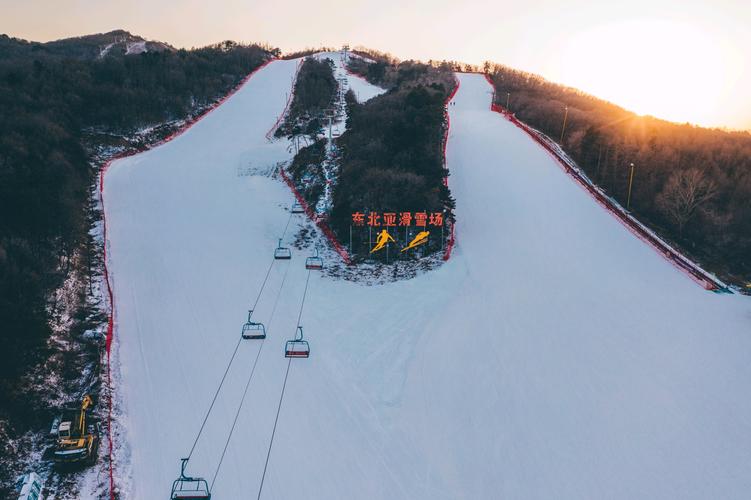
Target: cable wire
[247, 384]
[216, 394]
[263, 285]
[273, 432]
[281, 397]
[304, 294]
[234, 353]
[289, 219]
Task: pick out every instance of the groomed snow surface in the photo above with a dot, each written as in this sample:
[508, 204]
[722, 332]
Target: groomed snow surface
[554, 356]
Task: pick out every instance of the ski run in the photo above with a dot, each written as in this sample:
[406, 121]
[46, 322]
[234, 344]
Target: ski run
[555, 355]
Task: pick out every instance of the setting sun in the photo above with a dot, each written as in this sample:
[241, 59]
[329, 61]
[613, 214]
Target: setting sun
[670, 70]
[674, 60]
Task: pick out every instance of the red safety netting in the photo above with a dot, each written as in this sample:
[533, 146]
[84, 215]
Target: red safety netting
[320, 222]
[452, 238]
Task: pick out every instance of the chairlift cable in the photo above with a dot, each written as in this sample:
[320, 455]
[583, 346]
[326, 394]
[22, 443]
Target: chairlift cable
[247, 384]
[232, 358]
[263, 285]
[237, 414]
[304, 294]
[273, 432]
[289, 219]
[216, 394]
[281, 397]
[229, 365]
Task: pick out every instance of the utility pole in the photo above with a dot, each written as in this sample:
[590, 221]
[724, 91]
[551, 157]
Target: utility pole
[508, 99]
[630, 183]
[563, 129]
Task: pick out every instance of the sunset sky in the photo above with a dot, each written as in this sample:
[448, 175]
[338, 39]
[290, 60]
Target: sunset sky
[678, 60]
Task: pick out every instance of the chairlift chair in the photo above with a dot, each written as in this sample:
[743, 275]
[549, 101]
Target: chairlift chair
[314, 262]
[282, 252]
[186, 487]
[298, 347]
[297, 208]
[253, 330]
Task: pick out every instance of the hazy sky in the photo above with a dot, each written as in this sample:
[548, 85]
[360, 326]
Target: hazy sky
[680, 60]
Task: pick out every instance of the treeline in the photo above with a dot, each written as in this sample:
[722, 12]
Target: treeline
[691, 184]
[306, 52]
[386, 71]
[315, 91]
[391, 152]
[49, 98]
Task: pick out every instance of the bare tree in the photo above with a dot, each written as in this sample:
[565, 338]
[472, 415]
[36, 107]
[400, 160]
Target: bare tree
[685, 192]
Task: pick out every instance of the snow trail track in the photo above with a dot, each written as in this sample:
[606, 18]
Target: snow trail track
[553, 356]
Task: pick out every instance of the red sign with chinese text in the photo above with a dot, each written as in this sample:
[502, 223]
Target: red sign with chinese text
[393, 219]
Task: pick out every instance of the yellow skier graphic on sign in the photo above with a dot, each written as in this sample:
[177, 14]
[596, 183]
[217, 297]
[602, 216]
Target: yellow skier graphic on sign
[383, 238]
[420, 239]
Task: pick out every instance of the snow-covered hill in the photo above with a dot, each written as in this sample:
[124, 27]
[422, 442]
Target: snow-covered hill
[113, 43]
[554, 356]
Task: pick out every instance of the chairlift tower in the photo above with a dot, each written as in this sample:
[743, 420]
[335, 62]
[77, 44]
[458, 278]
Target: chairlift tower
[345, 50]
[329, 114]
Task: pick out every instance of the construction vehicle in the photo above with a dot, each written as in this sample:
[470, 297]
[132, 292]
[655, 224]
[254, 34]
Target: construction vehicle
[77, 435]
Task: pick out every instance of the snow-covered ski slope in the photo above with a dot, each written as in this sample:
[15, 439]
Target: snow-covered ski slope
[553, 356]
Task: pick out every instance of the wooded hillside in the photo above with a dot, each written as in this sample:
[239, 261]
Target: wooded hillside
[392, 151]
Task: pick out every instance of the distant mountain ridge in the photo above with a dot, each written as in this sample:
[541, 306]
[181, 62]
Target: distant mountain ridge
[113, 43]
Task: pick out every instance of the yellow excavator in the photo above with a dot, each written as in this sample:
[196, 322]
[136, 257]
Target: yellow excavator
[77, 438]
